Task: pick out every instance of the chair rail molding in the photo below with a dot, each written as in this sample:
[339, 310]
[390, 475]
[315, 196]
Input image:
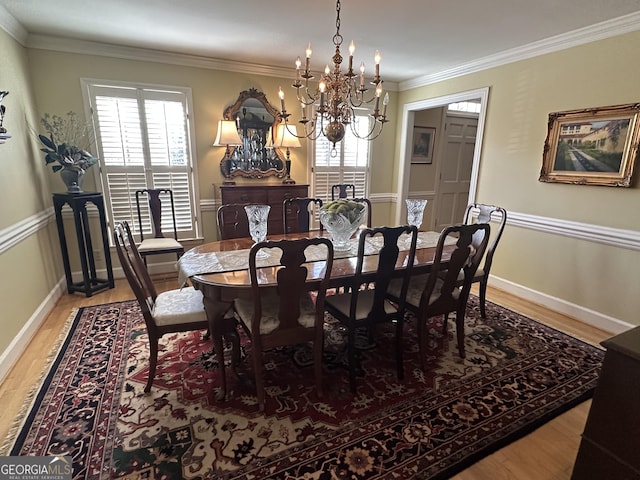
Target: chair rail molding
[23, 229]
[617, 237]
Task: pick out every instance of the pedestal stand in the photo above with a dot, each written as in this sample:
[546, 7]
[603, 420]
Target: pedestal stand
[78, 202]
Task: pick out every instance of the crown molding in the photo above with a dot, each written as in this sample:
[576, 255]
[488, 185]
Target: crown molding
[83, 47]
[610, 28]
[600, 31]
[14, 28]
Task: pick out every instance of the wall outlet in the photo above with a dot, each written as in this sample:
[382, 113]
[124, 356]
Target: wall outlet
[98, 256]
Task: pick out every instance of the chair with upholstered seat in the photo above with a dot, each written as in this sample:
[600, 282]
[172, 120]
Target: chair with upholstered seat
[167, 312]
[153, 211]
[232, 221]
[286, 314]
[365, 308]
[439, 292]
[341, 190]
[486, 212]
[296, 214]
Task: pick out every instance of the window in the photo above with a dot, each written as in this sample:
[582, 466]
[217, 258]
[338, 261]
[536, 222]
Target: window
[349, 163]
[143, 136]
[469, 107]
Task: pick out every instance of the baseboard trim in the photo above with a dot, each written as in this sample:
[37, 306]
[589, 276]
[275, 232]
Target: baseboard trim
[18, 345]
[580, 313]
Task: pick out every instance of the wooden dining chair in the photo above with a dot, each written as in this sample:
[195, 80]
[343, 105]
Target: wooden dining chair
[152, 211]
[439, 292]
[232, 221]
[296, 214]
[369, 210]
[366, 307]
[485, 215]
[287, 314]
[172, 311]
[341, 190]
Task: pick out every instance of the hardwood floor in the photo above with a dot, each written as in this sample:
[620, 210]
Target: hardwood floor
[547, 453]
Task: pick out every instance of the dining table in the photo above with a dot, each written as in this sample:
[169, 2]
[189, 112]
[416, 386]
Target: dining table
[220, 270]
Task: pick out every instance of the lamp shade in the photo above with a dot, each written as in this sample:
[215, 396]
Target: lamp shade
[286, 137]
[227, 134]
[269, 143]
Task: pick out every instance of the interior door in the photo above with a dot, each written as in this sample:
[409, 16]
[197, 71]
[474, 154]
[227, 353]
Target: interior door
[455, 165]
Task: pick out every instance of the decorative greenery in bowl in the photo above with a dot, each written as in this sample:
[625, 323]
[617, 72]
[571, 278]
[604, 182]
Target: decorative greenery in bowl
[349, 208]
[342, 218]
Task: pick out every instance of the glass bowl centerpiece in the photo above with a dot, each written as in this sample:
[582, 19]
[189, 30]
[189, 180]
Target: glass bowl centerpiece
[342, 218]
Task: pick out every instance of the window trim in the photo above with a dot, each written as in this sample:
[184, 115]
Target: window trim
[86, 83]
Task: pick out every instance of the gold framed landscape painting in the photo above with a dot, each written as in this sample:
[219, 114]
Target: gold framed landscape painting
[595, 146]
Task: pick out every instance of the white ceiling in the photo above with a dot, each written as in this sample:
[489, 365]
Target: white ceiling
[416, 38]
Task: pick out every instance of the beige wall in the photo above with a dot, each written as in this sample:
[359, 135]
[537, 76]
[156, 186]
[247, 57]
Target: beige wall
[595, 276]
[212, 92]
[590, 275]
[46, 81]
[30, 268]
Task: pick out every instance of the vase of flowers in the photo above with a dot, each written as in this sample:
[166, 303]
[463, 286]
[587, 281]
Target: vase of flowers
[66, 147]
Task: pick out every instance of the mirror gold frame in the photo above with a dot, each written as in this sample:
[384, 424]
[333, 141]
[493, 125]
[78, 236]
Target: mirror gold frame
[252, 113]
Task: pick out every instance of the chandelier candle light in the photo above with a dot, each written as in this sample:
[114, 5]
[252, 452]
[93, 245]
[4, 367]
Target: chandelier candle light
[337, 95]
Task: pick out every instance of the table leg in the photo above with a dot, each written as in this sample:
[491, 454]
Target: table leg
[218, 327]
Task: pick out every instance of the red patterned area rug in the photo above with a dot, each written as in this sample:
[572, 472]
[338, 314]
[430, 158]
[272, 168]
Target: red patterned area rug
[517, 375]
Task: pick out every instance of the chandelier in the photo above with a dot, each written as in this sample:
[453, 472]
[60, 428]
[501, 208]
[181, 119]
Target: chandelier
[332, 104]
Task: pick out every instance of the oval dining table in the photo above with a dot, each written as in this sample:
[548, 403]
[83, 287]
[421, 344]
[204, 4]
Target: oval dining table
[220, 271]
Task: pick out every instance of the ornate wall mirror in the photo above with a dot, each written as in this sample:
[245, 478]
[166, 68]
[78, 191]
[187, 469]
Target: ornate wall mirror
[255, 119]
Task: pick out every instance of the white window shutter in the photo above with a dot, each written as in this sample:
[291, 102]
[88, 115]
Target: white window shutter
[349, 163]
[143, 142]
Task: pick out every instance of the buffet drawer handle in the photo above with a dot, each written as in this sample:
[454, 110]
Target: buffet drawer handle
[244, 198]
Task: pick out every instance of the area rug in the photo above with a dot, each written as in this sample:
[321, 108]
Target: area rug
[518, 374]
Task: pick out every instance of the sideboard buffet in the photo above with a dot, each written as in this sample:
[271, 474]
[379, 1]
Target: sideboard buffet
[266, 194]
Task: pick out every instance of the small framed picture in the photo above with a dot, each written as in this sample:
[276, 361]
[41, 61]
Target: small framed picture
[422, 146]
[595, 146]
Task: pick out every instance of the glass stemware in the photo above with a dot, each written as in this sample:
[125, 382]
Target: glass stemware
[415, 211]
[257, 216]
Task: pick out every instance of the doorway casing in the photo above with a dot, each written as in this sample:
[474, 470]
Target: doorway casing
[408, 114]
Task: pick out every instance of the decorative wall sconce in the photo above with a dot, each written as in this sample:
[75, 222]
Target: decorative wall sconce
[3, 131]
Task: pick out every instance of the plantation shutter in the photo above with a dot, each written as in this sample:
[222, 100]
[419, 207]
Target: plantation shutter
[143, 140]
[349, 163]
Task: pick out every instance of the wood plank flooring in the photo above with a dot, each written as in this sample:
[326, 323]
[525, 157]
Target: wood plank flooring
[548, 453]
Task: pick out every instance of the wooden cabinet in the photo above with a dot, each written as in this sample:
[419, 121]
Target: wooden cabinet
[266, 194]
[611, 438]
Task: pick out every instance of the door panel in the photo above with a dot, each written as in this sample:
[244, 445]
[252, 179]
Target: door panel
[455, 163]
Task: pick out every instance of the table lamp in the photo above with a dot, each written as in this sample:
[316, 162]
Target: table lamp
[286, 137]
[227, 135]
